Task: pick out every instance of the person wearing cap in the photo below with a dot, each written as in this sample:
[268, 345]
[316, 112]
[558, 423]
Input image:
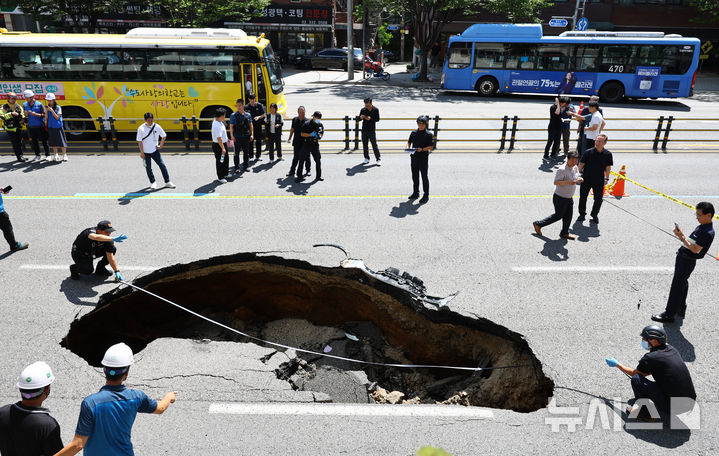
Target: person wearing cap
[565, 182]
[257, 111]
[219, 145]
[94, 243]
[421, 143]
[150, 139]
[241, 134]
[311, 133]
[12, 115]
[369, 115]
[670, 373]
[6, 225]
[104, 426]
[55, 130]
[26, 427]
[35, 117]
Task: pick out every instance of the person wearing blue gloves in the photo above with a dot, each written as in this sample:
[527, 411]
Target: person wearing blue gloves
[311, 133]
[671, 376]
[94, 243]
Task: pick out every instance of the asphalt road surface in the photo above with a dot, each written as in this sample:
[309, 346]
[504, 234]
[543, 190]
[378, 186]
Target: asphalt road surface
[574, 301]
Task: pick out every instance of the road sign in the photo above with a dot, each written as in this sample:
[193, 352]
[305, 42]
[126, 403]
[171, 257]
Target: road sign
[582, 24]
[557, 22]
[393, 27]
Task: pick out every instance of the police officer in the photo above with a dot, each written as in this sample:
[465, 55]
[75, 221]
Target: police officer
[670, 373]
[421, 142]
[257, 111]
[295, 139]
[13, 114]
[94, 243]
[26, 428]
[311, 132]
[241, 133]
[35, 117]
[106, 417]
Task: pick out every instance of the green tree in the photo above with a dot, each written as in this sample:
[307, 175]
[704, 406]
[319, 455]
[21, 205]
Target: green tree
[201, 13]
[708, 10]
[78, 11]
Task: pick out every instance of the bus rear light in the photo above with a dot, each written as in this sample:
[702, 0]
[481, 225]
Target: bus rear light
[694, 79]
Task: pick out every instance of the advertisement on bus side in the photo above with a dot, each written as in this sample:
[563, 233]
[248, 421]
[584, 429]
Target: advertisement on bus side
[551, 82]
[647, 78]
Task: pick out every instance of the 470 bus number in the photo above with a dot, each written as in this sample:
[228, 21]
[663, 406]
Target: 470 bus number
[616, 68]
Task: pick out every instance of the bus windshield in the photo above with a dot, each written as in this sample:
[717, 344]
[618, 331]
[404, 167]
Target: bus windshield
[274, 70]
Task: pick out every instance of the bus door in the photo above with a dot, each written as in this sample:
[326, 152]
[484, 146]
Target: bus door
[458, 65]
[253, 81]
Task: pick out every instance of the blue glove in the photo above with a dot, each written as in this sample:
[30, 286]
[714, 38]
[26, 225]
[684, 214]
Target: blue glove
[118, 277]
[611, 362]
[120, 238]
[313, 134]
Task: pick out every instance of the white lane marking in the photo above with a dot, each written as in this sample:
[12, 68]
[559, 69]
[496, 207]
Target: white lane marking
[592, 269]
[64, 267]
[406, 410]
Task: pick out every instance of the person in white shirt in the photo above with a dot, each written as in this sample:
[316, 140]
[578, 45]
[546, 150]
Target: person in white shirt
[150, 139]
[219, 145]
[273, 127]
[596, 124]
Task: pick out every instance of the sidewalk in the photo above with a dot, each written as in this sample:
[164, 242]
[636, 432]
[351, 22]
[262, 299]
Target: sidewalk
[401, 77]
[707, 82]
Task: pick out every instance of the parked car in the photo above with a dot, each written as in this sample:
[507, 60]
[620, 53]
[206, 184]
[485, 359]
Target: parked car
[389, 56]
[328, 58]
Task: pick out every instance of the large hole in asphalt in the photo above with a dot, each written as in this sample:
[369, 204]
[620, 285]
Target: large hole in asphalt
[325, 309]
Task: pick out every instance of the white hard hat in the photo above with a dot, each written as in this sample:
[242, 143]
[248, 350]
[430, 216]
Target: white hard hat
[50, 96]
[28, 93]
[35, 376]
[119, 355]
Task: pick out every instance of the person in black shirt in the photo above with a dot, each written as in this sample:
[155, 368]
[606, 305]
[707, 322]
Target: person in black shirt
[295, 139]
[241, 134]
[273, 127]
[369, 115]
[595, 166]
[694, 248]
[257, 111]
[554, 129]
[26, 428]
[311, 132]
[422, 142]
[94, 243]
[671, 376]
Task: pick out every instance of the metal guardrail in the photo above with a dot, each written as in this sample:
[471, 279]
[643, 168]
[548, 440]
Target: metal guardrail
[348, 133]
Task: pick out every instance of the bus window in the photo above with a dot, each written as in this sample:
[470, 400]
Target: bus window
[460, 54]
[521, 56]
[617, 59]
[29, 65]
[274, 70]
[488, 55]
[677, 59]
[553, 57]
[587, 58]
[648, 55]
[164, 65]
[92, 64]
[248, 86]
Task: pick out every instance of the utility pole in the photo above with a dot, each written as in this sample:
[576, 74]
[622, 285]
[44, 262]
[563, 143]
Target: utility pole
[401, 39]
[350, 47]
[577, 11]
[365, 25]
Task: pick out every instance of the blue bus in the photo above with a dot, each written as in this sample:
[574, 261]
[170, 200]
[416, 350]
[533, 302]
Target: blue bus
[492, 58]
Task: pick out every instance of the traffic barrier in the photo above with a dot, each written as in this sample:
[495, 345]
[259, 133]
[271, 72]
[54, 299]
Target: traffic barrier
[616, 188]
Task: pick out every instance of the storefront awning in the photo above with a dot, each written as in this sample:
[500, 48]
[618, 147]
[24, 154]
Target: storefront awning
[250, 27]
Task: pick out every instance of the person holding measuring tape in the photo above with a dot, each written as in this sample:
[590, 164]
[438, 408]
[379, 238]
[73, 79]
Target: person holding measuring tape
[94, 243]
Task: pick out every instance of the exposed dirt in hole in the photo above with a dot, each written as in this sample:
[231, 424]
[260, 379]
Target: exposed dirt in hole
[295, 303]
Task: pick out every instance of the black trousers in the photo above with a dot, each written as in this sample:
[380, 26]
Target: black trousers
[580, 142]
[222, 167]
[420, 165]
[7, 231]
[38, 134]
[274, 141]
[257, 135]
[647, 389]
[296, 156]
[312, 149]
[565, 139]
[84, 262]
[554, 136]
[683, 268]
[562, 211]
[16, 141]
[242, 143]
[367, 137]
[598, 189]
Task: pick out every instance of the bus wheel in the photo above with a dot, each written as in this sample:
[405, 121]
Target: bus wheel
[487, 86]
[77, 129]
[611, 92]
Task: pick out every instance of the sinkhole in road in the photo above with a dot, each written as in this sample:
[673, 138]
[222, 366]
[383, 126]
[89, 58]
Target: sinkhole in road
[349, 311]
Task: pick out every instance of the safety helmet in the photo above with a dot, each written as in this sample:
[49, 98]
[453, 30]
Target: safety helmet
[423, 119]
[654, 332]
[35, 376]
[50, 96]
[119, 355]
[11, 95]
[28, 93]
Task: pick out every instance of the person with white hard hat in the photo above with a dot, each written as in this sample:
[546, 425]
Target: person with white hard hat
[26, 428]
[106, 417]
[35, 117]
[55, 128]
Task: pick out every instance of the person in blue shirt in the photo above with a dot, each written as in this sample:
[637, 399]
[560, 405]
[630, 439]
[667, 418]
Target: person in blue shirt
[35, 116]
[106, 417]
[6, 226]
[55, 130]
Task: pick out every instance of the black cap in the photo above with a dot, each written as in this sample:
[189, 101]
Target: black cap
[317, 114]
[251, 96]
[423, 119]
[654, 332]
[105, 225]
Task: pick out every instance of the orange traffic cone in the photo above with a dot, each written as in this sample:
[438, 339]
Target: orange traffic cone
[581, 107]
[618, 187]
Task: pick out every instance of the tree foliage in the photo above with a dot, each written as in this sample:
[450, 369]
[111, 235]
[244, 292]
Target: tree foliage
[201, 13]
[78, 11]
[708, 10]
[517, 10]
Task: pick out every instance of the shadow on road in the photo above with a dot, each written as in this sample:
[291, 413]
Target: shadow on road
[404, 209]
[359, 168]
[207, 188]
[296, 188]
[549, 165]
[128, 197]
[584, 232]
[554, 249]
[34, 166]
[265, 166]
[678, 341]
[77, 291]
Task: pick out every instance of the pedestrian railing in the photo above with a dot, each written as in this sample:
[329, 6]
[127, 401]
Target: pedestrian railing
[501, 134]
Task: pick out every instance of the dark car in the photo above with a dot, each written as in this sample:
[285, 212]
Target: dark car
[389, 56]
[328, 58]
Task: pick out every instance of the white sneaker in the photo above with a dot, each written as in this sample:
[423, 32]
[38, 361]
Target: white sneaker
[366, 160]
[42, 159]
[64, 158]
[379, 162]
[222, 181]
[170, 185]
[57, 158]
[153, 186]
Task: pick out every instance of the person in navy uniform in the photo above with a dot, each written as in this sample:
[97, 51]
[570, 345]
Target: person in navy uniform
[295, 139]
[422, 141]
[94, 243]
[694, 248]
[311, 132]
[257, 111]
[273, 127]
[369, 115]
[241, 134]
